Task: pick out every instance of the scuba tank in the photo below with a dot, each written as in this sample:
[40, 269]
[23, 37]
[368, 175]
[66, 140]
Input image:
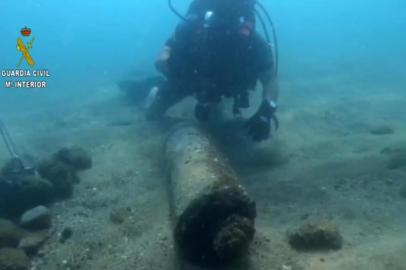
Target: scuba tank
[247, 21]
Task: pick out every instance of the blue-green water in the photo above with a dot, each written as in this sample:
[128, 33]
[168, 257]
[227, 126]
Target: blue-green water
[80, 41]
[342, 81]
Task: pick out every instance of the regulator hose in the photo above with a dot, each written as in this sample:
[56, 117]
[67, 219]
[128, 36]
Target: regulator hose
[274, 35]
[175, 11]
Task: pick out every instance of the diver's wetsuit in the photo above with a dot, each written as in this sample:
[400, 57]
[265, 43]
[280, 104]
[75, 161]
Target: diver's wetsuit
[213, 57]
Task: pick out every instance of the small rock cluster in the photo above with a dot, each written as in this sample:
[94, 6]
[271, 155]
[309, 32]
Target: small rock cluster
[22, 193]
[23, 198]
[55, 180]
[17, 244]
[13, 259]
[322, 235]
[61, 169]
[36, 218]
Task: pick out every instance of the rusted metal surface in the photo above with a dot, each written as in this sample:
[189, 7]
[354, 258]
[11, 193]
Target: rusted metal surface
[213, 215]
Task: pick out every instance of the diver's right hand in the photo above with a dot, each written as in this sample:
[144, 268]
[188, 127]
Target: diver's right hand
[258, 128]
[202, 112]
[259, 125]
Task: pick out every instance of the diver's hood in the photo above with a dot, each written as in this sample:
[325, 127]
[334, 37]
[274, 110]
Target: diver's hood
[228, 13]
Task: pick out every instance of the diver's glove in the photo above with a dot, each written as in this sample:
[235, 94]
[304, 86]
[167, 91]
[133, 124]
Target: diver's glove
[259, 125]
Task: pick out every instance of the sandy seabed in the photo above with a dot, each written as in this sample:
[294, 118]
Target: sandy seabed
[323, 163]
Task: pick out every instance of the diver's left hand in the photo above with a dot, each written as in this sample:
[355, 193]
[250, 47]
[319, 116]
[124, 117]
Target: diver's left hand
[259, 125]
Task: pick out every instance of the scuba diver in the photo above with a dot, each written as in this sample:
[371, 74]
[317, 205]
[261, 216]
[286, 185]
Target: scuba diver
[215, 52]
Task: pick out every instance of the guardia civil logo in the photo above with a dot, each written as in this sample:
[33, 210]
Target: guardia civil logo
[25, 74]
[24, 48]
